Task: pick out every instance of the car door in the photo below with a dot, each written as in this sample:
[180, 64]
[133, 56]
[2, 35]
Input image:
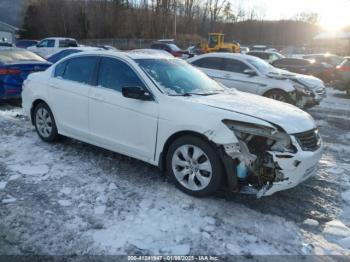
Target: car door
[125, 125]
[211, 66]
[234, 76]
[44, 47]
[69, 94]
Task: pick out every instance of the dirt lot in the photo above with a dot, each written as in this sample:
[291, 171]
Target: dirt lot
[72, 198]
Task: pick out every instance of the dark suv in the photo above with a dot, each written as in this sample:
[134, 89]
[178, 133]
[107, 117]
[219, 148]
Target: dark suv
[169, 47]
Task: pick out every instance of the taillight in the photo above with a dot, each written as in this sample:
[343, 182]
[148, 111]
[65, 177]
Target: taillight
[343, 68]
[10, 71]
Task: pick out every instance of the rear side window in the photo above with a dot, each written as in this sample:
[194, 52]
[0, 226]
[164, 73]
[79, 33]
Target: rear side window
[62, 54]
[115, 74]
[234, 66]
[80, 69]
[68, 43]
[209, 62]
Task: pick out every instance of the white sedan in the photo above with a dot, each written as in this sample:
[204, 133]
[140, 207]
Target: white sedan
[167, 113]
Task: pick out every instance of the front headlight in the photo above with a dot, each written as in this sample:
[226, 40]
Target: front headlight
[275, 139]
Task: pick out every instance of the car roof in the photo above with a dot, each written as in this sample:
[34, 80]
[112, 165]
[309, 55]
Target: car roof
[59, 38]
[225, 55]
[120, 54]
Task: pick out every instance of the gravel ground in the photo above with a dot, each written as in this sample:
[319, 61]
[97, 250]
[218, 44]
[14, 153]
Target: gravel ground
[71, 198]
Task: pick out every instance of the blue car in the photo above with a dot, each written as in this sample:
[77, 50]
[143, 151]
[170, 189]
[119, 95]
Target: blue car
[25, 43]
[15, 66]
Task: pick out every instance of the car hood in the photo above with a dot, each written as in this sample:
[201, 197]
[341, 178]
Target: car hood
[290, 118]
[310, 81]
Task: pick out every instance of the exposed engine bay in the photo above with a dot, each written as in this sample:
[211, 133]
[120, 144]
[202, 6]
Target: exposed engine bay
[255, 156]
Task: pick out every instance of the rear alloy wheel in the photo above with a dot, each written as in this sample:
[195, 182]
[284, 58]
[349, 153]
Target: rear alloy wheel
[45, 123]
[194, 166]
[278, 95]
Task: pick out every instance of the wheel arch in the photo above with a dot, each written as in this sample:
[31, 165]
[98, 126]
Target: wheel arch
[274, 89]
[171, 139]
[34, 104]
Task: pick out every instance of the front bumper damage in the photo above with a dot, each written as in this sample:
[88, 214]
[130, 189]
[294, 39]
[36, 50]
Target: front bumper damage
[282, 170]
[295, 168]
[313, 99]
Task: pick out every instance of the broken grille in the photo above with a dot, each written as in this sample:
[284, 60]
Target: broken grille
[309, 140]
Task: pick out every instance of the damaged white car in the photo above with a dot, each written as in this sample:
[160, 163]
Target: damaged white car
[168, 113]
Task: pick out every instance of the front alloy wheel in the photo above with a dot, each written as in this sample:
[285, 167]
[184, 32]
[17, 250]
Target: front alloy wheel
[191, 167]
[194, 166]
[278, 95]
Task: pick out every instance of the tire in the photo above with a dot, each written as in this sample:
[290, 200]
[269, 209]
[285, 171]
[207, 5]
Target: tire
[44, 123]
[278, 95]
[194, 166]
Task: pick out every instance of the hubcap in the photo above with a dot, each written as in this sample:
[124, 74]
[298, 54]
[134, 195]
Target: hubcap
[43, 122]
[192, 167]
[278, 97]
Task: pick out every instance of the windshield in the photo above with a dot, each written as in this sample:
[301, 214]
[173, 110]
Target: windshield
[262, 66]
[174, 47]
[176, 77]
[11, 56]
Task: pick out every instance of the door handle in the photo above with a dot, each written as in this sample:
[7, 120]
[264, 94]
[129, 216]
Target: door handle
[227, 75]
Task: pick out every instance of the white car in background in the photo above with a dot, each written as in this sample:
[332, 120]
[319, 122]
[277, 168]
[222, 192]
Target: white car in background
[245, 73]
[51, 45]
[148, 51]
[267, 56]
[170, 114]
[254, 75]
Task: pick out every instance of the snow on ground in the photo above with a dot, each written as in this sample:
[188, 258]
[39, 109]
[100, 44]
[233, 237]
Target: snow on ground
[73, 198]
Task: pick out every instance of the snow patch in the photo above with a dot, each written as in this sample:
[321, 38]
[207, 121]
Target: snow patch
[346, 196]
[183, 249]
[100, 210]
[112, 186]
[14, 177]
[3, 185]
[311, 222]
[345, 242]
[9, 200]
[336, 229]
[64, 202]
[30, 169]
[66, 190]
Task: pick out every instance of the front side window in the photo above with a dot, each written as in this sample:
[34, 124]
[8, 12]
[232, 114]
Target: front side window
[80, 69]
[234, 66]
[177, 77]
[209, 62]
[116, 74]
[47, 43]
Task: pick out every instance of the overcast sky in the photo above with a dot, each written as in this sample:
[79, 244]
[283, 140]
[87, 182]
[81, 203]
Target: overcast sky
[333, 13]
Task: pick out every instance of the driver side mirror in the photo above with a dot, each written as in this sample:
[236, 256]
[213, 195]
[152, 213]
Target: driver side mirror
[250, 72]
[136, 92]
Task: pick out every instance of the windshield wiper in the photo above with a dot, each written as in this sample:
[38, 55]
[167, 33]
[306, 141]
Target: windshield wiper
[197, 94]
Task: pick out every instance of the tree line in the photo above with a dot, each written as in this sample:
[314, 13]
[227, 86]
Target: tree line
[152, 19]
